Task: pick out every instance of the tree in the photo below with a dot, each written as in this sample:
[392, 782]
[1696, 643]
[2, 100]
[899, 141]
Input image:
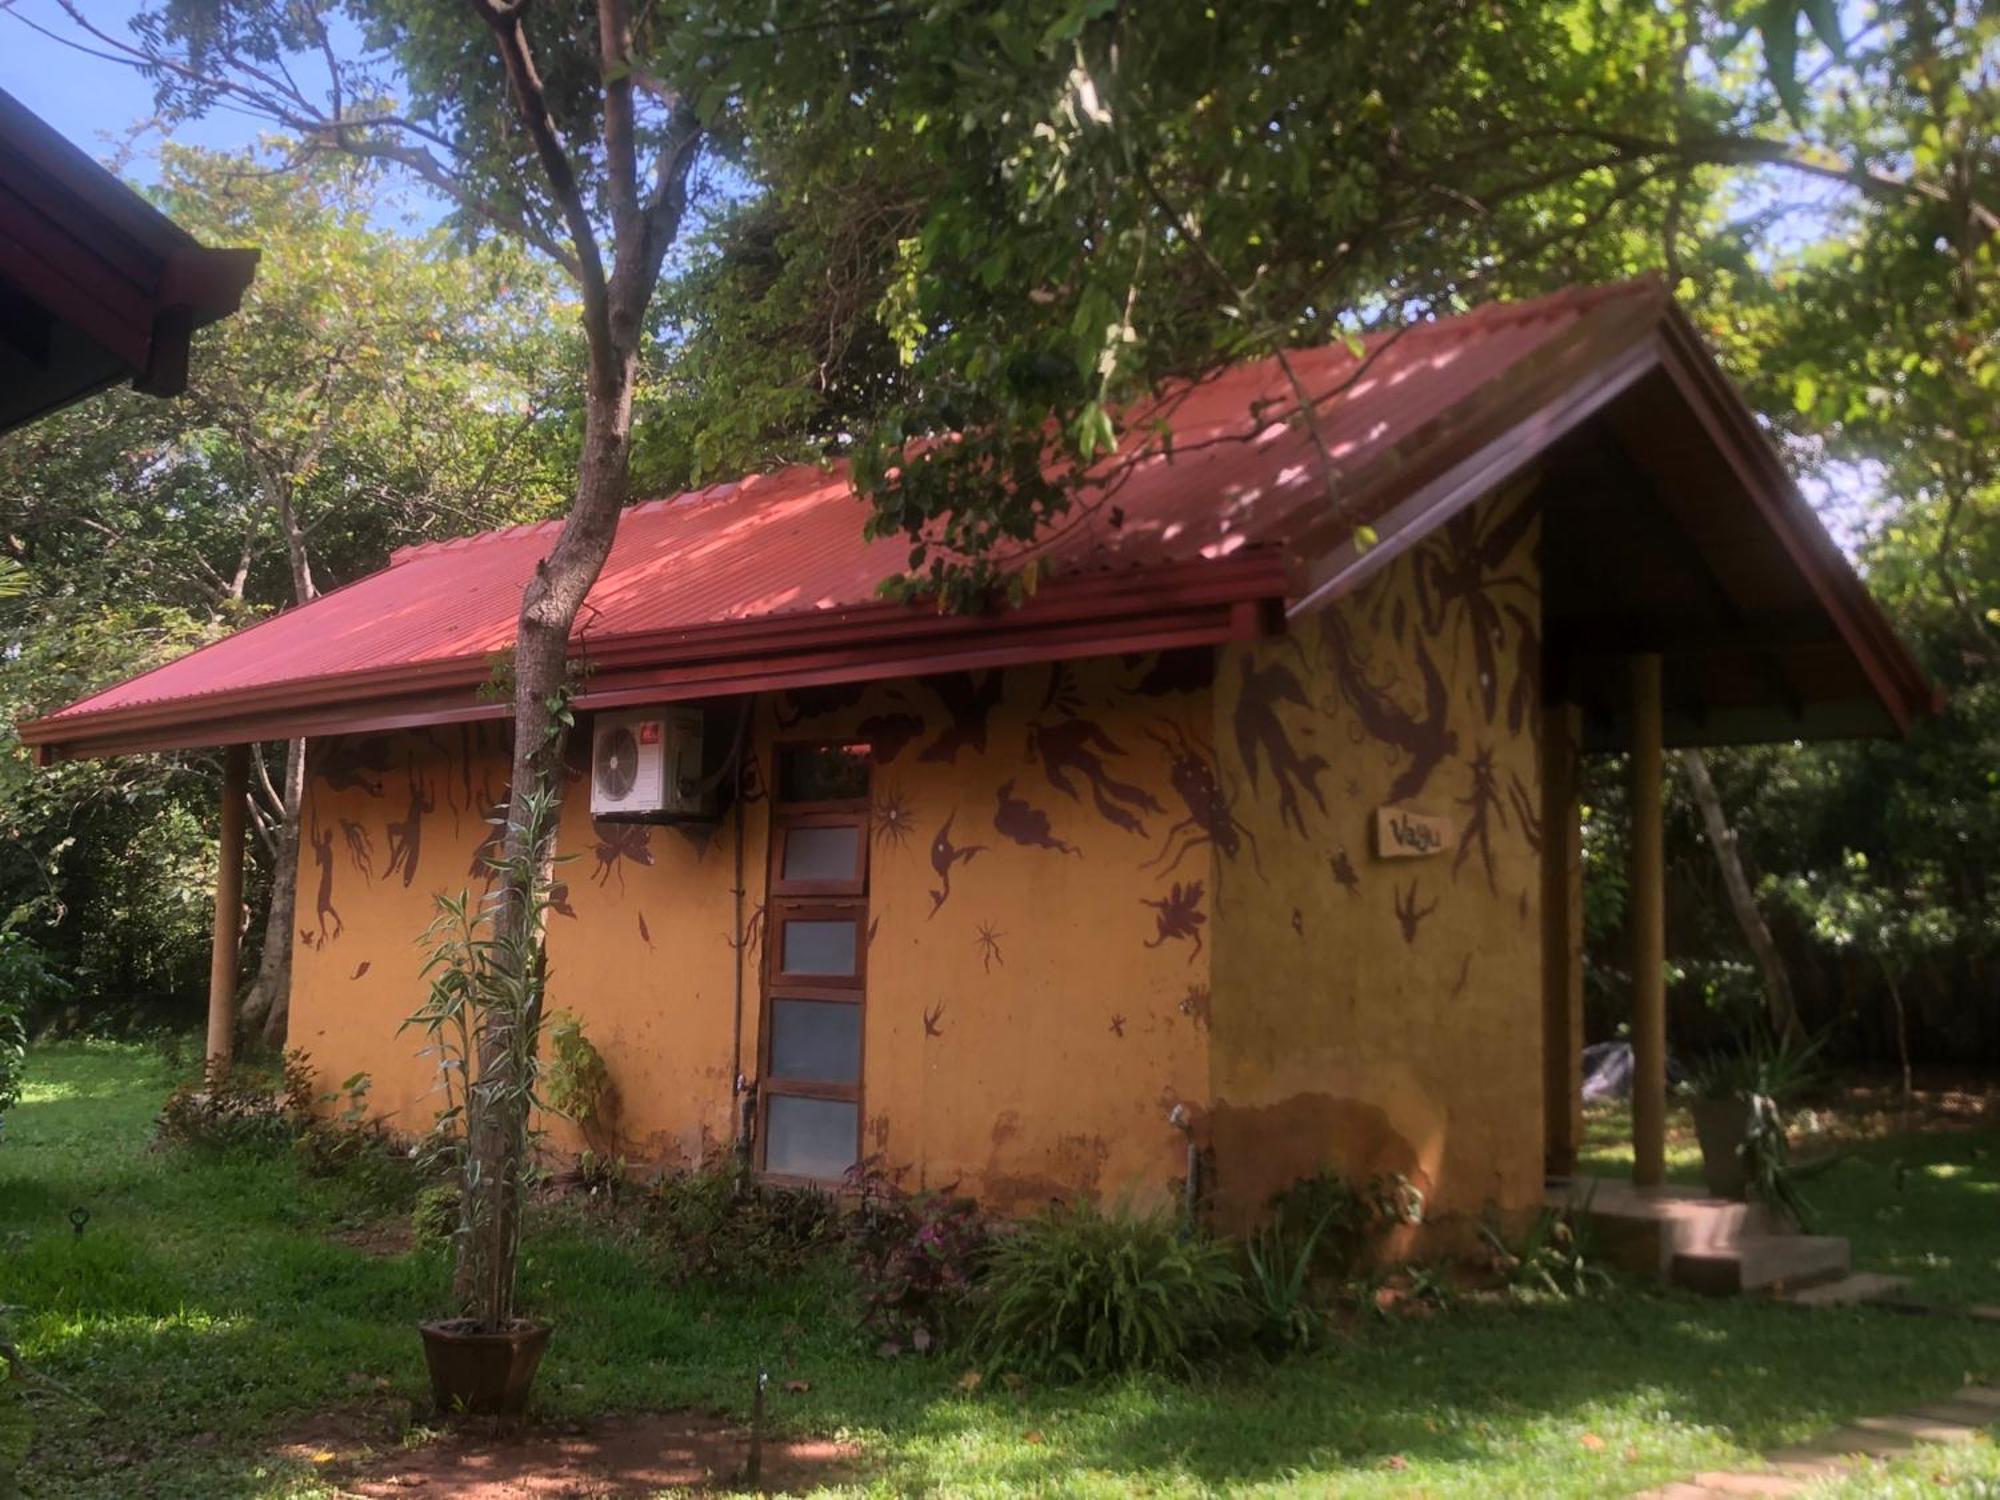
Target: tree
[375, 389]
[1781, 1008]
[369, 383]
[549, 125]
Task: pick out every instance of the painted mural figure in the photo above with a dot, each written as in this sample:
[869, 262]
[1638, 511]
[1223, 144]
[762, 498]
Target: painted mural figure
[1026, 824]
[1185, 671]
[1458, 574]
[796, 705]
[889, 734]
[894, 819]
[1426, 740]
[1209, 819]
[944, 855]
[323, 907]
[1483, 798]
[1260, 732]
[970, 703]
[618, 843]
[354, 763]
[406, 837]
[360, 847]
[1409, 915]
[1178, 915]
[1080, 746]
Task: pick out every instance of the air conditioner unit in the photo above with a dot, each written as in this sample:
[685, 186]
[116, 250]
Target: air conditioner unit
[647, 764]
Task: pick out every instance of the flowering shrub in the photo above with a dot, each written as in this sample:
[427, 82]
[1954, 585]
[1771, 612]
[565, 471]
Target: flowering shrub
[915, 1255]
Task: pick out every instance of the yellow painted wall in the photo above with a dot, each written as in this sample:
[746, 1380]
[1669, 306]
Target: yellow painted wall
[1100, 891]
[1383, 1015]
[1038, 969]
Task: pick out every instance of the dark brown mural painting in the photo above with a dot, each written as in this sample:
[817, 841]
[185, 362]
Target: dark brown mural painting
[796, 705]
[987, 940]
[406, 835]
[889, 734]
[1464, 574]
[354, 762]
[1409, 915]
[1417, 741]
[1025, 824]
[360, 848]
[945, 855]
[619, 844]
[321, 840]
[1078, 748]
[968, 702]
[1179, 916]
[1482, 800]
[893, 819]
[1171, 672]
[1261, 736]
[1209, 821]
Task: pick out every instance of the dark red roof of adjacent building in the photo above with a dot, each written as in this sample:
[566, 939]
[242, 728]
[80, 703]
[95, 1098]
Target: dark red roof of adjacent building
[768, 582]
[96, 285]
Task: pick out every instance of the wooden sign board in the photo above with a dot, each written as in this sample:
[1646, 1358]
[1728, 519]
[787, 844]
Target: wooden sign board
[1402, 834]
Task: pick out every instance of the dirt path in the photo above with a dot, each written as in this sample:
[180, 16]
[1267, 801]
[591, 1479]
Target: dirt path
[632, 1456]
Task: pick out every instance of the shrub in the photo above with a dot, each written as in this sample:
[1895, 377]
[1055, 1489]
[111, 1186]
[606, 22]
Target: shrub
[1080, 1293]
[434, 1218]
[27, 983]
[575, 1082]
[915, 1256]
[247, 1110]
[250, 1110]
[1283, 1313]
[1553, 1260]
[721, 1222]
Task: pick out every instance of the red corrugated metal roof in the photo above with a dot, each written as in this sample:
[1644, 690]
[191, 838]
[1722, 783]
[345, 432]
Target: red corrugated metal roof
[766, 582]
[788, 545]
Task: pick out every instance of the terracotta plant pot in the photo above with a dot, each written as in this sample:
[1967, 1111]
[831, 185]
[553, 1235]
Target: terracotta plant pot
[1721, 1125]
[485, 1374]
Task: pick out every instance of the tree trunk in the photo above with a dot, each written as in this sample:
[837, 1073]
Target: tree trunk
[1902, 1037]
[268, 1004]
[1782, 1008]
[497, 1102]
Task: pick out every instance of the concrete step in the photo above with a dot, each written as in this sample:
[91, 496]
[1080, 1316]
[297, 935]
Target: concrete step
[1760, 1262]
[1642, 1229]
[1855, 1290]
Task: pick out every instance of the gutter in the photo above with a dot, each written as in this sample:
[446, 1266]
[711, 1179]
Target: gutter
[1149, 609]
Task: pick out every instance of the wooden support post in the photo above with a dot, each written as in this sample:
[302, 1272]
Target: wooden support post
[228, 911]
[1646, 883]
[1562, 938]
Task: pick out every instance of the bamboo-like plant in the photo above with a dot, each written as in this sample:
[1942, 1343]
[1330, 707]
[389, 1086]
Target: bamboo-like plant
[488, 980]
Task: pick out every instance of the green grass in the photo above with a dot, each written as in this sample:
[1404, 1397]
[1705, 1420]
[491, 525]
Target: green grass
[1924, 1205]
[209, 1313]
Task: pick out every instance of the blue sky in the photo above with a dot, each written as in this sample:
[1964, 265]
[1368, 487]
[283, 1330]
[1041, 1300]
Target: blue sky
[93, 101]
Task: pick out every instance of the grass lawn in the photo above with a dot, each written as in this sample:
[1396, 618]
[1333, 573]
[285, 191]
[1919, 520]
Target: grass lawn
[211, 1311]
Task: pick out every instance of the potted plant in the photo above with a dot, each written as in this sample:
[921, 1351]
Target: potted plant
[1738, 1098]
[488, 979]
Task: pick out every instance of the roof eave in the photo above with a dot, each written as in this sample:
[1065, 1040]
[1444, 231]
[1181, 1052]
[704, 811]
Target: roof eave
[1145, 609]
